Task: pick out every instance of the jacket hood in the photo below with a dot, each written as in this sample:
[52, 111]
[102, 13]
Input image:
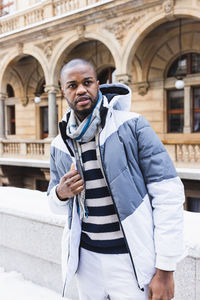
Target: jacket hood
[118, 96]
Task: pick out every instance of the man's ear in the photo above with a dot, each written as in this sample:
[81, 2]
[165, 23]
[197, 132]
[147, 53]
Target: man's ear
[98, 83]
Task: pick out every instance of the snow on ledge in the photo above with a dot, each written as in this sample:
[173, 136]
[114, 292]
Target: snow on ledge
[28, 204]
[34, 205]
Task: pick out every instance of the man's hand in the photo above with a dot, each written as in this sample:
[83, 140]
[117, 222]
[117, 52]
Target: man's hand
[161, 286]
[70, 184]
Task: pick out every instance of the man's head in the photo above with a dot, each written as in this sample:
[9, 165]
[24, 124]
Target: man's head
[80, 86]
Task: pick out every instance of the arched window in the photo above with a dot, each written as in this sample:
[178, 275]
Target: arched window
[183, 106]
[10, 91]
[187, 64]
[106, 75]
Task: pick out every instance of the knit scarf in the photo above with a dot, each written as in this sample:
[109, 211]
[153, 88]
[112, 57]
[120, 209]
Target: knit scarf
[83, 132]
[86, 130]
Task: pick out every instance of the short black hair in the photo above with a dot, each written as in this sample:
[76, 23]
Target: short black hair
[74, 62]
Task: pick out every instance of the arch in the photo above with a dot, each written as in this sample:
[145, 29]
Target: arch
[67, 44]
[168, 50]
[145, 26]
[14, 79]
[14, 55]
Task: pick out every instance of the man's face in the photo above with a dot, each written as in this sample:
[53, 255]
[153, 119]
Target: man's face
[80, 88]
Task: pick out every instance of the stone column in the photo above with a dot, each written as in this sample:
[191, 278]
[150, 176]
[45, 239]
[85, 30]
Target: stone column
[52, 111]
[2, 115]
[187, 110]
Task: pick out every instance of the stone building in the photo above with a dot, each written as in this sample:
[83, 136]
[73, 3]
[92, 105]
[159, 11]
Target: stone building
[146, 44]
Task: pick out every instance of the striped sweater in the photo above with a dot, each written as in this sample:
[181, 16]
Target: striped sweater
[101, 231]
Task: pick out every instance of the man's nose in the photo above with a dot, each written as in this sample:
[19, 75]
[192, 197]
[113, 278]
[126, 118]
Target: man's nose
[81, 89]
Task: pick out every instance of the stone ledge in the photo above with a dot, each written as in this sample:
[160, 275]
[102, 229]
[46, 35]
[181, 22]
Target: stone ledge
[187, 173]
[35, 163]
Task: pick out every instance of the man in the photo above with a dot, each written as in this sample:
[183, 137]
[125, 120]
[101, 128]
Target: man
[113, 178]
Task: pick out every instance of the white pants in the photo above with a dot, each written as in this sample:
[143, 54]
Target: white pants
[107, 276]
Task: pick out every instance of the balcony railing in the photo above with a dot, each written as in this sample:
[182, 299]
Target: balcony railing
[25, 149]
[182, 154]
[44, 11]
[185, 152]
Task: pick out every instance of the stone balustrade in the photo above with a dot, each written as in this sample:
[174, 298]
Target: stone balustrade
[25, 148]
[185, 152]
[45, 10]
[181, 153]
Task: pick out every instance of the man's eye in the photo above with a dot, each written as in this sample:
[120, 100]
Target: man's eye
[71, 86]
[87, 82]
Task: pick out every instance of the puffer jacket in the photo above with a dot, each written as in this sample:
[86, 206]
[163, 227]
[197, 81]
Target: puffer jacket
[146, 191]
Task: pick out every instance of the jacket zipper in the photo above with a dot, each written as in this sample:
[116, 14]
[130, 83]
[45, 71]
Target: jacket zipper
[63, 291]
[125, 239]
[64, 285]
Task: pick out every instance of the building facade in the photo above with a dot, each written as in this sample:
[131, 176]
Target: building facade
[148, 45]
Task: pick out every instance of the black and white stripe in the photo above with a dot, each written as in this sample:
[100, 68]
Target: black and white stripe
[101, 231]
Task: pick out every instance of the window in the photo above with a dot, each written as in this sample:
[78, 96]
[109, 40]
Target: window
[183, 106]
[6, 7]
[175, 109]
[11, 119]
[44, 121]
[10, 91]
[196, 109]
[187, 64]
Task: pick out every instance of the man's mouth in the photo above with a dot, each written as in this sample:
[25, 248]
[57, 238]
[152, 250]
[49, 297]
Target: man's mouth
[83, 101]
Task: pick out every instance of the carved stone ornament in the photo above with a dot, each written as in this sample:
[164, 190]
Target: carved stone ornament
[80, 30]
[24, 100]
[120, 28]
[143, 88]
[168, 7]
[20, 48]
[124, 78]
[48, 47]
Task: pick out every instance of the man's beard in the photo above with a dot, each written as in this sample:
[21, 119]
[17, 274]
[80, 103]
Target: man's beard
[85, 112]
